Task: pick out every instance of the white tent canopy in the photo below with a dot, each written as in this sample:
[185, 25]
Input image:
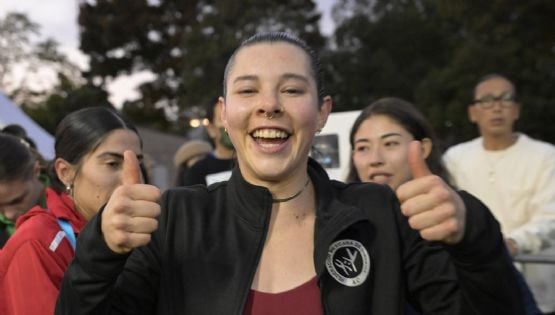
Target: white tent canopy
[12, 114]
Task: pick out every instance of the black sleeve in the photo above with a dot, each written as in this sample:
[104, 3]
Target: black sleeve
[99, 281]
[430, 277]
[472, 277]
[486, 275]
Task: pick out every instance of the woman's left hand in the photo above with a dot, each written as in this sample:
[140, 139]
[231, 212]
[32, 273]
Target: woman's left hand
[432, 207]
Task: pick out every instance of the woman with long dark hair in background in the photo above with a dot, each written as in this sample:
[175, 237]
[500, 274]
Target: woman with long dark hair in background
[87, 168]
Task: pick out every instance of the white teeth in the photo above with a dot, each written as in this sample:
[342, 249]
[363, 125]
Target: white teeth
[270, 134]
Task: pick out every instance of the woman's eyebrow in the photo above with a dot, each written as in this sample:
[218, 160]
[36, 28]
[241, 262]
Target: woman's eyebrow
[248, 77]
[116, 155]
[285, 76]
[384, 136]
[295, 76]
[390, 134]
[362, 140]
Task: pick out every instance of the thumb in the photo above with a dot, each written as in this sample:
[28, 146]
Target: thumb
[416, 161]
[131, 171]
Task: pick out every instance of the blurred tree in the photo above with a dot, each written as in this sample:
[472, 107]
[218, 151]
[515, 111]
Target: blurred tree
[184, 43]
[29, 64]
[224, 24]
[383, 50]
[65, 98]
[433, 52]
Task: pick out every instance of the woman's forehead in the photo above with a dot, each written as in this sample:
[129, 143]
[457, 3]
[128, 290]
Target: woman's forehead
[379, 124]
[261, 58]
[118, 140]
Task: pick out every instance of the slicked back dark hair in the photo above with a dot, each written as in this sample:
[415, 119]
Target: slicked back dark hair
[16, 159]
[81, 132]
[20, 132]
[412, 120]
[281, 37]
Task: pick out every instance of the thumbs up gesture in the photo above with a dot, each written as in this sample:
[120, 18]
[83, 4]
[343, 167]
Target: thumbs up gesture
[130, 216]
[432, 207]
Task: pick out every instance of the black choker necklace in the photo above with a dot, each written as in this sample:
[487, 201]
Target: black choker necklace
[278, 200]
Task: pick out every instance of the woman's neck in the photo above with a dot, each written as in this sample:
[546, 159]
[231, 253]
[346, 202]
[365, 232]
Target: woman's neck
[295, 212]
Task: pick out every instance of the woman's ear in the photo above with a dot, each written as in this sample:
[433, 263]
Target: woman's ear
[324, 112]
[222, 111]
[65, 171]
[426, 147]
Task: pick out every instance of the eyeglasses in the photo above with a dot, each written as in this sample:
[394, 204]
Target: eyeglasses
[506, 100]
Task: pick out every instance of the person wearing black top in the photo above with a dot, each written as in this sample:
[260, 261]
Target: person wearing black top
[215, 166]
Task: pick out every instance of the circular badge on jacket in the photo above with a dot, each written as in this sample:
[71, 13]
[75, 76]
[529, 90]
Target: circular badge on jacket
[348, 262]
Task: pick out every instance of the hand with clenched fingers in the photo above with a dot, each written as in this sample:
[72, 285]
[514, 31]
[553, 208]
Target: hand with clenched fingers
[130, 216]
[432, 207]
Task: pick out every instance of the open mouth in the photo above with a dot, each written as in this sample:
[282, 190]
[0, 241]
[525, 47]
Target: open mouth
[269, 137]
[381, 178]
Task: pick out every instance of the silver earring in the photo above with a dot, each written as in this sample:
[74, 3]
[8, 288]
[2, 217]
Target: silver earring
[69, 189]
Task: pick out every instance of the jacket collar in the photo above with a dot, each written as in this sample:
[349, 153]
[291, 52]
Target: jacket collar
[61, 206]
[254, 203]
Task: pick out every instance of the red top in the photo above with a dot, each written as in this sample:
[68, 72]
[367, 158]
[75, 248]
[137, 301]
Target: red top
[33, 261]
[304, 299]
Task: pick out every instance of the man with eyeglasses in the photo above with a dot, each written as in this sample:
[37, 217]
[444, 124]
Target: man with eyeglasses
[514, 175]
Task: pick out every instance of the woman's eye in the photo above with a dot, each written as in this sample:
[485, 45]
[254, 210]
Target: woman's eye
[391, 143]
[361, 149]
[293, 91]
[113, 164]
[246, 91]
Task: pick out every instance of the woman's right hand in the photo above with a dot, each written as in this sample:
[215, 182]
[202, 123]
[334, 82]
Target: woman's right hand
[131, 214]
[432, 207]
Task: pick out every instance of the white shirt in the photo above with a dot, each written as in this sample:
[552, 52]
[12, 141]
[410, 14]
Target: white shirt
[518, 185]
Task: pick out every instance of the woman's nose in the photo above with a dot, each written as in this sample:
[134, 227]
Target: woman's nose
[270, 106]
[376, 157]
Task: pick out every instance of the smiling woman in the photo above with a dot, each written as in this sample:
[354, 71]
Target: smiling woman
[272, 116]
[379, 141]
[280, 237]
[87, 168]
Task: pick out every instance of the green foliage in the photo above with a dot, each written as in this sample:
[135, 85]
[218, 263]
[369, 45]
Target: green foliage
[433, 52]
[219, 30]
[65, 99]
[185, 43]
[428, 52]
